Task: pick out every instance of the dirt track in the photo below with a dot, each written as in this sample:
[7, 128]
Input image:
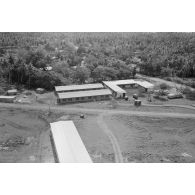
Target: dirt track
[116, 147]
[80, 110]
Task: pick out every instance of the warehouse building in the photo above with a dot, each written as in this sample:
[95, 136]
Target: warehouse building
[83, 96]
[72, 88]
[12, 92]
[67, 144]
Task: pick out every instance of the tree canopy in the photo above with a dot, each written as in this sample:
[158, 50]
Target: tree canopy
[84, 57]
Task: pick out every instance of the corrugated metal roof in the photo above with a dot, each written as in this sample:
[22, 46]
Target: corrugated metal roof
[124, 82]
[145, 84]
[68, 144]
[12, 91]
[114, 84]
[79, 87]
[84, 93]
[7, 97]
[114, 87]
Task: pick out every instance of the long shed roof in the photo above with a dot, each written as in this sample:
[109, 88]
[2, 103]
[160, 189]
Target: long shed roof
[12, 91]
[68, 144]
[89, 93]
[114, 84]
[7, 97]
[145, 84]
[114, 87]
[79, 87]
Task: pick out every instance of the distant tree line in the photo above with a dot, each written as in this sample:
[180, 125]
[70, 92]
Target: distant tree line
[93, 57]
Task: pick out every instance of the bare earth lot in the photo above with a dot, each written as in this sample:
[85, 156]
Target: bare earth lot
[122, 134]
[21, 133]
[24, 136]
[153, 139]
[96, 142]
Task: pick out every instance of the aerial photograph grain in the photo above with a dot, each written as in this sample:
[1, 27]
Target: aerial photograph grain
[97, 97]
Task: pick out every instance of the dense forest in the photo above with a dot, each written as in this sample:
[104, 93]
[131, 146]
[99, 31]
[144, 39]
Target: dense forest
[25, 58]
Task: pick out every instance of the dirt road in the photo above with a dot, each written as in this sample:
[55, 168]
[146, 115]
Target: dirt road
[108, 132]
[98, 111]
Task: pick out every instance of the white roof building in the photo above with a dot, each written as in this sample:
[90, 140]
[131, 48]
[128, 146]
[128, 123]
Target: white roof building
[7, 97]
[12, 91]
[115, 85]
[68, 145]
[69, 88]
[89, 93]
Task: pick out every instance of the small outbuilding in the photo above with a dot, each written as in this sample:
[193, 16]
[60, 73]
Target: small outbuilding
[7, 99]
[40, 90]
[12, 92]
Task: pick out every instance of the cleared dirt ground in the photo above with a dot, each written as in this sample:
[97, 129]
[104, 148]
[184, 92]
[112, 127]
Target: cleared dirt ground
[153, 139]
[95, 140]
[21, 136]
[25, 136]
[109, 135]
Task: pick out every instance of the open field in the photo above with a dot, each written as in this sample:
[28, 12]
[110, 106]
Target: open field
[153, 139]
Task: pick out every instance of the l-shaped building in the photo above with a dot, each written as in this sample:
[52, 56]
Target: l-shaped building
[116, 86]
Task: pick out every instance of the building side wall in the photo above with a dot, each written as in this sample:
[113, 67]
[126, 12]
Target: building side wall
[6, 100]
[83, 99]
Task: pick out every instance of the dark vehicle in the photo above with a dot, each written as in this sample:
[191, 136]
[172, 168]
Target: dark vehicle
[135, 96]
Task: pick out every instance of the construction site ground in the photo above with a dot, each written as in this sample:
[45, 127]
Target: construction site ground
[112, 131]
[119, 133]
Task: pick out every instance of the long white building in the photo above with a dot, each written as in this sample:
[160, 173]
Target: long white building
[84, 87]
[67, 144]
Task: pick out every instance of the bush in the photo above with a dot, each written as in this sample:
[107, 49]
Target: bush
[191, 84]
[168, 78]
[1, 91]
[178, 80]
[186, 90]
[190, 95]
[164, 86]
